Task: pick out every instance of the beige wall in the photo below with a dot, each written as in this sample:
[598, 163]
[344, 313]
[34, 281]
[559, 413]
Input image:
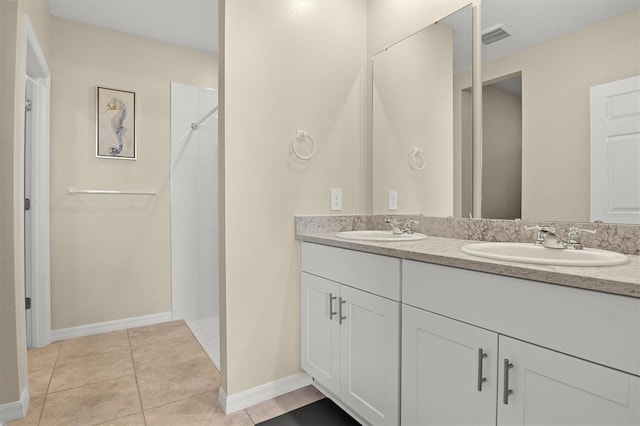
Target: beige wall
[110, 255]
[12, 54]
[287, 66]
[413, 108]
[501, 154]
[9, 352]
[556, 77]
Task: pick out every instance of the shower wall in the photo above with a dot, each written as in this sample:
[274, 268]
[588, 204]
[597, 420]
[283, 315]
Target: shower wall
[194, 203]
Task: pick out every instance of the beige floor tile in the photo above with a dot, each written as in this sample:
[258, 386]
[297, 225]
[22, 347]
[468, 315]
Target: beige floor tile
[39, 379]
[284, 403]
[133, 420]
[91, 345]
[161, 386]
[33, 413]
[92, 404]
[41, 362]
[167, 351]
[74, 372]
[150, 334]
[43, 357]
[200, 410]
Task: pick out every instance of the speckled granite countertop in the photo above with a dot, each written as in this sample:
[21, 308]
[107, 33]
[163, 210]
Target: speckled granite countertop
[622, 280]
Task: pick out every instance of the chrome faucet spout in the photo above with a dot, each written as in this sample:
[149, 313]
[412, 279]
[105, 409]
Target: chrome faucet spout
[395, 225]
[552, 240]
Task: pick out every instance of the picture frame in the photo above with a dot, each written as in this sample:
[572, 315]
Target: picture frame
[115, 124]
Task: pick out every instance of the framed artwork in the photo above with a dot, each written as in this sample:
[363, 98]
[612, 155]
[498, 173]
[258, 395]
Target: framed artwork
[116, 124]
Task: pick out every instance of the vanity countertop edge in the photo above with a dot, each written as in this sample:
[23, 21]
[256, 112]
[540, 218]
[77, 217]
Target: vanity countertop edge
[623, 280]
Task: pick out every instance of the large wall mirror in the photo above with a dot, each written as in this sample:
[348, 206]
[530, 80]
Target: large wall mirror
[540, 60]
[538, 162]
[417, 107]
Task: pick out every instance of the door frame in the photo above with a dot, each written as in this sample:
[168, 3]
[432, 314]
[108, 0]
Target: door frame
[34, 67]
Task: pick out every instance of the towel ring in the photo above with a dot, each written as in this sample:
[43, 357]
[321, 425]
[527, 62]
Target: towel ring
[300, 137]
[417, 160]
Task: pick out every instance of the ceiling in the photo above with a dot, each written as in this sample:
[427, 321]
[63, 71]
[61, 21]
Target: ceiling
[194, 23]
[531, 21]
[188, 23]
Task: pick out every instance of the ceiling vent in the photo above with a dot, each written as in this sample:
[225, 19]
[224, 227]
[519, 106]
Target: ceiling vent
[495, 33]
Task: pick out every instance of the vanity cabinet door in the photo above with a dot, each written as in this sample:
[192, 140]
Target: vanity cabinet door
[443, 370]
[548, 387]
[320, 331]
[371, 356]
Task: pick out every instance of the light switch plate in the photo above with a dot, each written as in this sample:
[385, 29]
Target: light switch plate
[393, 200]
[336, 199]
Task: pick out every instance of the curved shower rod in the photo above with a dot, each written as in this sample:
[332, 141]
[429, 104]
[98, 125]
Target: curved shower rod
[194, 126]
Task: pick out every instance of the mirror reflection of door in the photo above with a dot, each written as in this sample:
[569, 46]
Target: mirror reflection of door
[502, 149]
[615, 151]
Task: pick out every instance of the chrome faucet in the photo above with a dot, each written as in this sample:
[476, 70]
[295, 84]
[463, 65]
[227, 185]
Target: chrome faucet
[547, 237]
[396, 228]
[545, 233]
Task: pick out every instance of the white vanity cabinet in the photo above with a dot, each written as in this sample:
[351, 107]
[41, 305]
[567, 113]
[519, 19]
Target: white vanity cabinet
[444, 363]
[485, 349]
[350, 328]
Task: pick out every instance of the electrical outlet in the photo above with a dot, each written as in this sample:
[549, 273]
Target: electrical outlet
[336, 199]
[393, 200]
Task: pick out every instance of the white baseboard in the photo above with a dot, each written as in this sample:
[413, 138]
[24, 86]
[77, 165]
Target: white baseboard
[239, 401]
[107, 326]
[15, 410]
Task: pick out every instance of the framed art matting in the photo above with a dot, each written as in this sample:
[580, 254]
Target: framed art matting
[116, 124]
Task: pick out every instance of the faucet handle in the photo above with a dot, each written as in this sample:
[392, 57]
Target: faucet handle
[408, 226]
[574, 231]
[540, 228]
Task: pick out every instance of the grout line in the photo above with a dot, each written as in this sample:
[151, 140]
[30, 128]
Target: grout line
[46, 393]
[180, 400]
[90, 384]
[250, 417]
[135, 377]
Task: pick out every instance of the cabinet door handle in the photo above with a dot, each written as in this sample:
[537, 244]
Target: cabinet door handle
[505, 390]
[331, 299]
[481, 356]
[341, 317]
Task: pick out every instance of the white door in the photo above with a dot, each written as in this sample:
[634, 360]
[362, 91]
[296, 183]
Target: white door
[320, 330]
[550, 388]
[370, 333]
[615, 151]
[449, 372]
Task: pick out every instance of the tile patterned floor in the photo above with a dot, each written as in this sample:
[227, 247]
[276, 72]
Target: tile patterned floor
[207, 331]
[154, 375]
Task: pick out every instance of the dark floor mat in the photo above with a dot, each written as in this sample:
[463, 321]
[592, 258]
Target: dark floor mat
[320, 413]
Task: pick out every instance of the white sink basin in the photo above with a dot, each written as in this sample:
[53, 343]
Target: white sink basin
[530, 253]
[379, 236]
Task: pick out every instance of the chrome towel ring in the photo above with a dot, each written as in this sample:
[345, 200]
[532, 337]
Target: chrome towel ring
[417, 159]
[301, 137]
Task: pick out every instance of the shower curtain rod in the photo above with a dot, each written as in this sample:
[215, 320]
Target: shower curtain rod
[195, 126]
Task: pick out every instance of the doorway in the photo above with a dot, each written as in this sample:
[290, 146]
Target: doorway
[194, 213]
[502, 148]
[35, 191]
